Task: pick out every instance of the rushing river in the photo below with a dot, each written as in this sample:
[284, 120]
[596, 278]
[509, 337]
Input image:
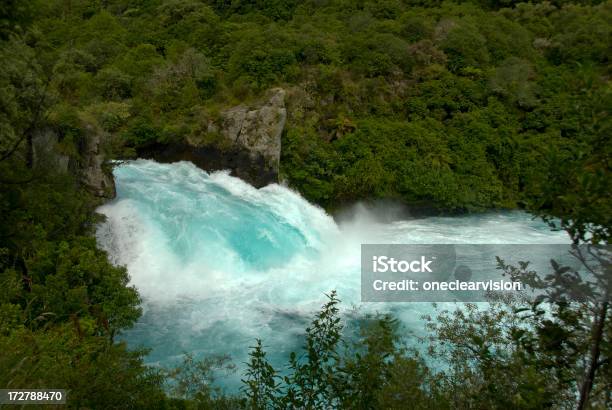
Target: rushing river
[219, 263]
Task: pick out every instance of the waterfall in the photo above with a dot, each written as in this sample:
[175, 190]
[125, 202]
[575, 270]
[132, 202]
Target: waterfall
[219, 263]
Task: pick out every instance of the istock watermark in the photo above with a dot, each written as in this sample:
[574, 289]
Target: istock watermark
[386, 264]
[445, 273]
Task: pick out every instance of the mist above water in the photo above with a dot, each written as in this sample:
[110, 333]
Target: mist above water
[219, 263]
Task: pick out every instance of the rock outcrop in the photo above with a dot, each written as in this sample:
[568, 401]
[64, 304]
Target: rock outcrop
[93, 170]
[259, 130]
[249, 142]
[90, 169]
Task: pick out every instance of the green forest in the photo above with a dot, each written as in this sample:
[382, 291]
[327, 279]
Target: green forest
[456, 106]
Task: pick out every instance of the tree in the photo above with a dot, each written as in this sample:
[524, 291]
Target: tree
[260, 386]
[23, 101]
[580, 304]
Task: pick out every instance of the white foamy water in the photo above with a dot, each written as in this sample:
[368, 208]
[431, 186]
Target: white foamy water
[219, 263]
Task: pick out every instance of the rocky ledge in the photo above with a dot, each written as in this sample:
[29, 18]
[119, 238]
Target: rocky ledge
[248, 143]
[246, 140]
[91, 167]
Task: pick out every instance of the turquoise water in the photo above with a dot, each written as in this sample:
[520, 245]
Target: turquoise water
[219, 263]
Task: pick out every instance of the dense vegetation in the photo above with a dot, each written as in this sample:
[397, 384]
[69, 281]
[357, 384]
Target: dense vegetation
[460, 105]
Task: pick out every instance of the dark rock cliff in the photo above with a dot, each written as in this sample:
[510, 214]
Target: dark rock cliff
[249, 143]
[89, 166]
